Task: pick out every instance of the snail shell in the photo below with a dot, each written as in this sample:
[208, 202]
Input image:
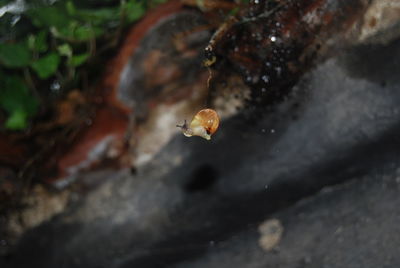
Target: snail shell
[204, 124]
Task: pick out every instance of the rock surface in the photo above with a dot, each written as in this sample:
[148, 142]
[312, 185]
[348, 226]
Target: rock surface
[199, 203]
[351, 225]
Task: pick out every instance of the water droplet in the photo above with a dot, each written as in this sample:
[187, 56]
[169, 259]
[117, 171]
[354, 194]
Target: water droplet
[265, 78]
[278, 70]
[55, 86]
[272, 130]
[273, 38]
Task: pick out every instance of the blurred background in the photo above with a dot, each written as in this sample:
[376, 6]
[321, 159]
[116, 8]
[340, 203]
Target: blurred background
[303, 171]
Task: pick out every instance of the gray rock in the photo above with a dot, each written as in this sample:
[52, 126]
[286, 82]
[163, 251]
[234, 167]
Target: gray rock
[199, 203]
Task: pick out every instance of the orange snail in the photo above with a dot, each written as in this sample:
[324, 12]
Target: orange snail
[204, 124]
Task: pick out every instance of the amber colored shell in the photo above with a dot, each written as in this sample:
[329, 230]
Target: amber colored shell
[208, 119]
[204, 124]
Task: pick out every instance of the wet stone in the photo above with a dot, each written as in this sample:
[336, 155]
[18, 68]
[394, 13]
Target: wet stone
[332, 176]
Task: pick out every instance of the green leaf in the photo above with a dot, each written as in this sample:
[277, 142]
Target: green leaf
[17, 120]
[84, 33]
[70, 8]
[38, 42]
[16, 101]
[77, 60]
[157, 2]
[48, 17]
[100, 16]
[12, 93]
[65, 50]
[77, 32]
[134, 10]
[46, 66]
[66, 32]
[14, 55]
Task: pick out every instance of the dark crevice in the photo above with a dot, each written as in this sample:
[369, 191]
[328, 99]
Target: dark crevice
[202, 178]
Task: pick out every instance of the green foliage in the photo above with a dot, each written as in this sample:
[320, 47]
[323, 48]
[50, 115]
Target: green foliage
[38, 43]
[14, 55]
[65, 50]
[17, 101]
[46, 17]
[54, 41]
[78, 60]
[156, 2]
[101, 16]
[47, 65]
[74, 32]
[134, 10]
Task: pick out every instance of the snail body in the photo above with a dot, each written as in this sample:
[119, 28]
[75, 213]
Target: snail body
[204, 124]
